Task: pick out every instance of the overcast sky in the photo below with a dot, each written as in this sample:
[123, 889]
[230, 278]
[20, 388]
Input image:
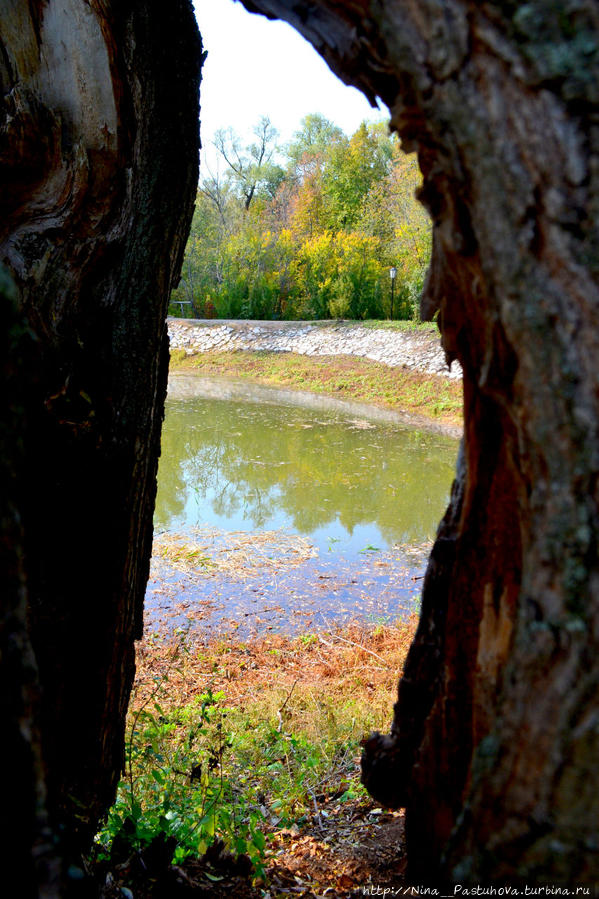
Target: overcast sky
[256, 67]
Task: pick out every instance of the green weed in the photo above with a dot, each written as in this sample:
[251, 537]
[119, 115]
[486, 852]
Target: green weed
[207, 771]
[181, 784]
[177, 357]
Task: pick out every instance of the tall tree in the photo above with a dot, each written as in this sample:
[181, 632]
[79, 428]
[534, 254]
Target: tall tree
[251, 167]
[315, 136]
[355, 166]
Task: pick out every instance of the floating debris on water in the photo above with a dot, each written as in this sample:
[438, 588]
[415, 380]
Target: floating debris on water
[238, 554]
[247, 583]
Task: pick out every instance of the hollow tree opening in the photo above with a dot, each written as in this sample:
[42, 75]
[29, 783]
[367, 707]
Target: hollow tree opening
[495, 735]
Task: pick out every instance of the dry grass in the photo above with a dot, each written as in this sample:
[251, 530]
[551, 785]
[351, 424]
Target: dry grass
[311, 681]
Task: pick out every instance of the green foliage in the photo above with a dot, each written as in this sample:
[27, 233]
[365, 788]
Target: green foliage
[354, 167]
[180, 785]
[205, 771]
[312, 239]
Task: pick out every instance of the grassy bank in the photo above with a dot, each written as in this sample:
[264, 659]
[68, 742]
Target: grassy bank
[412, 393]
[400, 325]
[255, 745]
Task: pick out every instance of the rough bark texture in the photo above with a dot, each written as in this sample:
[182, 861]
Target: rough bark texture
[495, 738]
[98, 171]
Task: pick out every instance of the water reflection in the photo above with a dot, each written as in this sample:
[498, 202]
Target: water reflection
[348, 483]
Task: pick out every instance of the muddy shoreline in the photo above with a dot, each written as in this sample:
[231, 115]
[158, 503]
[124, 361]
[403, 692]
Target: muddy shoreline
[185, 385]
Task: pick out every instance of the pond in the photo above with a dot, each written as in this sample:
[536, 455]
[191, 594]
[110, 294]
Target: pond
[253, 468]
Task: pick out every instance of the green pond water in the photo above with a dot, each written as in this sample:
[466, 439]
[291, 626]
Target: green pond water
[256, 461]
[365, 493]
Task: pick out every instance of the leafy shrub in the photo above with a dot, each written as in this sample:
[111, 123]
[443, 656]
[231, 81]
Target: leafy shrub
[207, 772]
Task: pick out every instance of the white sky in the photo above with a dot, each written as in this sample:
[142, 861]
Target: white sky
[257, 67]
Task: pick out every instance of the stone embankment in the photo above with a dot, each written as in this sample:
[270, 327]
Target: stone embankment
[414, 350]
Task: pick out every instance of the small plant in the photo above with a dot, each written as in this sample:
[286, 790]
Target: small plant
[205, 774]
[180, 789]
[307, 639]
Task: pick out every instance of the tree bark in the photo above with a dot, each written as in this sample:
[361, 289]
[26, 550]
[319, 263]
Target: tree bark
[26, 836]
[495, 736]
[99, 158]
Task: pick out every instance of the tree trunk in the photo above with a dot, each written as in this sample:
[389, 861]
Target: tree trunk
[99, 154]
[495, 738]
[26, 835]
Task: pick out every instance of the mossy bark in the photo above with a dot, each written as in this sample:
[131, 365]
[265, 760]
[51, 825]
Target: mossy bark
[99, 149]
[495, 738]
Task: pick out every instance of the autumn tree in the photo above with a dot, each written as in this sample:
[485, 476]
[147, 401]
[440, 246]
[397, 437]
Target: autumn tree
[319, 236]
[355, 166]
[310, 144]
[391, 214]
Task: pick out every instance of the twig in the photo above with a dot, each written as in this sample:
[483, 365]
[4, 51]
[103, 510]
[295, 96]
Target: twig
[316, 809]
[357, 646]
[282, 709]
[136, 717]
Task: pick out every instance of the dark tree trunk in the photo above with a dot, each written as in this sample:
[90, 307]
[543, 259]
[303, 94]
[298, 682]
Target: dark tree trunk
[26, 835]
[98, 168]
[495, 738]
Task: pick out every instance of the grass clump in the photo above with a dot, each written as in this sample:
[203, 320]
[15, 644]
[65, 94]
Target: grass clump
[177, 357]
[401, 325]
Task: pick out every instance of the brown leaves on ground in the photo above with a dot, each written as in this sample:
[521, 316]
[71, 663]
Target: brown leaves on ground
[357, 661]
[358, 846]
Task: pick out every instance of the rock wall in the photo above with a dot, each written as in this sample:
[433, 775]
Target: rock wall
[413, 350]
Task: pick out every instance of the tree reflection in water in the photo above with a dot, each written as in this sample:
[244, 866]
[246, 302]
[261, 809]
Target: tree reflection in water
[346, 482]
